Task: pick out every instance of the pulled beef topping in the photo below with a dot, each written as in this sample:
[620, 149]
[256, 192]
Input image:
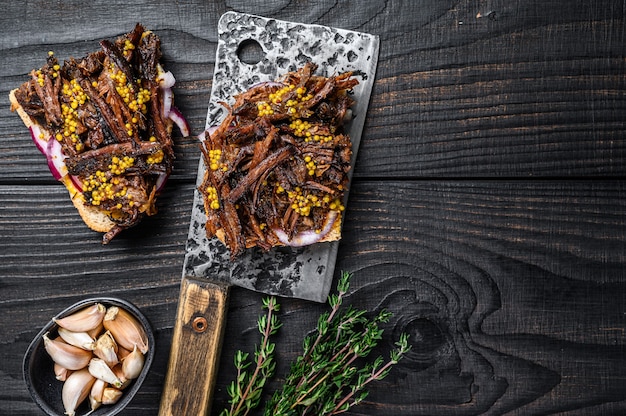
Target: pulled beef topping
[278, 163]
[106, 112]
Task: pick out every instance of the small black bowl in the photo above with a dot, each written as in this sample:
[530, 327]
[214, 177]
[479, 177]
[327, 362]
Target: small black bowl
[38, 367]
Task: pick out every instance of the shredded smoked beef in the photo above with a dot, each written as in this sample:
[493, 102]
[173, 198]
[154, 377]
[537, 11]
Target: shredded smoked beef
[106, 111]
[278, 163]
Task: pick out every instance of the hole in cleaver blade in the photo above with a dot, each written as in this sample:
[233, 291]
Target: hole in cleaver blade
[305, 272]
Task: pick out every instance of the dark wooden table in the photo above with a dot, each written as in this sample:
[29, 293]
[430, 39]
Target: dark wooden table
[487, 212]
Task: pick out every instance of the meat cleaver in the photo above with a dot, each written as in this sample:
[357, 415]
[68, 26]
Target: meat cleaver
[208, 272]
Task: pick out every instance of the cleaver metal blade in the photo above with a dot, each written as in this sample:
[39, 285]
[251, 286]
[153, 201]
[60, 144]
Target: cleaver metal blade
[208, 272]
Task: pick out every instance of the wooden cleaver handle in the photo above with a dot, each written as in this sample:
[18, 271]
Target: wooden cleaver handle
[196, 343]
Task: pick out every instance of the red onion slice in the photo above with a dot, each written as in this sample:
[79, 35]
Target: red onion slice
[35, 134]
[166, 82]
[51, 148]
[168, 99]
[268, 84]
[56, 159]
[166, 79]
[178, 119]
[160, 183]
[307, 237]
[202, 136]
[76, 182]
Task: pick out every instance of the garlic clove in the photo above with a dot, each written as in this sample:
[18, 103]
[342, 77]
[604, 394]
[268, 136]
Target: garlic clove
[126, 330]
[120, 374]
[84, 320]
[111, 395]
[122, 352]
[61, 373]
[95, 394]
[76, 389]
[106, 349]
[66, 355]
[94, 333]
[78, 339]
[133, 364]
[99, 369]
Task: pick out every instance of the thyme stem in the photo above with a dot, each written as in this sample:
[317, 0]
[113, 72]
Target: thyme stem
[244, 399]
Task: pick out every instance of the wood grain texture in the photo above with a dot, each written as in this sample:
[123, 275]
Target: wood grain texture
[529, 90]
[487, 212]
[512, 304]
[196, 348]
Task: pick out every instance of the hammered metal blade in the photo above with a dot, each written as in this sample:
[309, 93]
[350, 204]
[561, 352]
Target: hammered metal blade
[305, 272]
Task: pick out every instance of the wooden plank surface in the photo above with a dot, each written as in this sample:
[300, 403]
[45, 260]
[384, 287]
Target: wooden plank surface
[487, 212]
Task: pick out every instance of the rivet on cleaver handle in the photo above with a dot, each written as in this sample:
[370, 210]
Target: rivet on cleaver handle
[196, 344]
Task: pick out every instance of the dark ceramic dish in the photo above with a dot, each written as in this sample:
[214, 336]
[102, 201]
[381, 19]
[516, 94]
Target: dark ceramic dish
[39, 376]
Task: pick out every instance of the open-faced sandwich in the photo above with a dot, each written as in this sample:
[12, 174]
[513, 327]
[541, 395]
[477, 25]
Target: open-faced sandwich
[104, 123]
[277, 166]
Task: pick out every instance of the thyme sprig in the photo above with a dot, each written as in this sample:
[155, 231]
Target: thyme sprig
[327, 379]
[245, 391]
[332, 373]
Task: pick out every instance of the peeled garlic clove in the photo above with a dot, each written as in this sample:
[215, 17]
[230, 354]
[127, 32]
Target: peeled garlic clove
[66, 355]
[95, 394]
[76, 389]
[78, 339]
[99, 369]
[111, 395]
[106, 349]
[61, 373]
[126, 330]
[133, 364]
[84, 320]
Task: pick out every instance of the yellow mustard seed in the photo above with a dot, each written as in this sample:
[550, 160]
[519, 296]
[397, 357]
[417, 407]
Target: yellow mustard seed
[212, 198]
[215, 163]
[156, 157]
[128, 45]
[264, 109]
